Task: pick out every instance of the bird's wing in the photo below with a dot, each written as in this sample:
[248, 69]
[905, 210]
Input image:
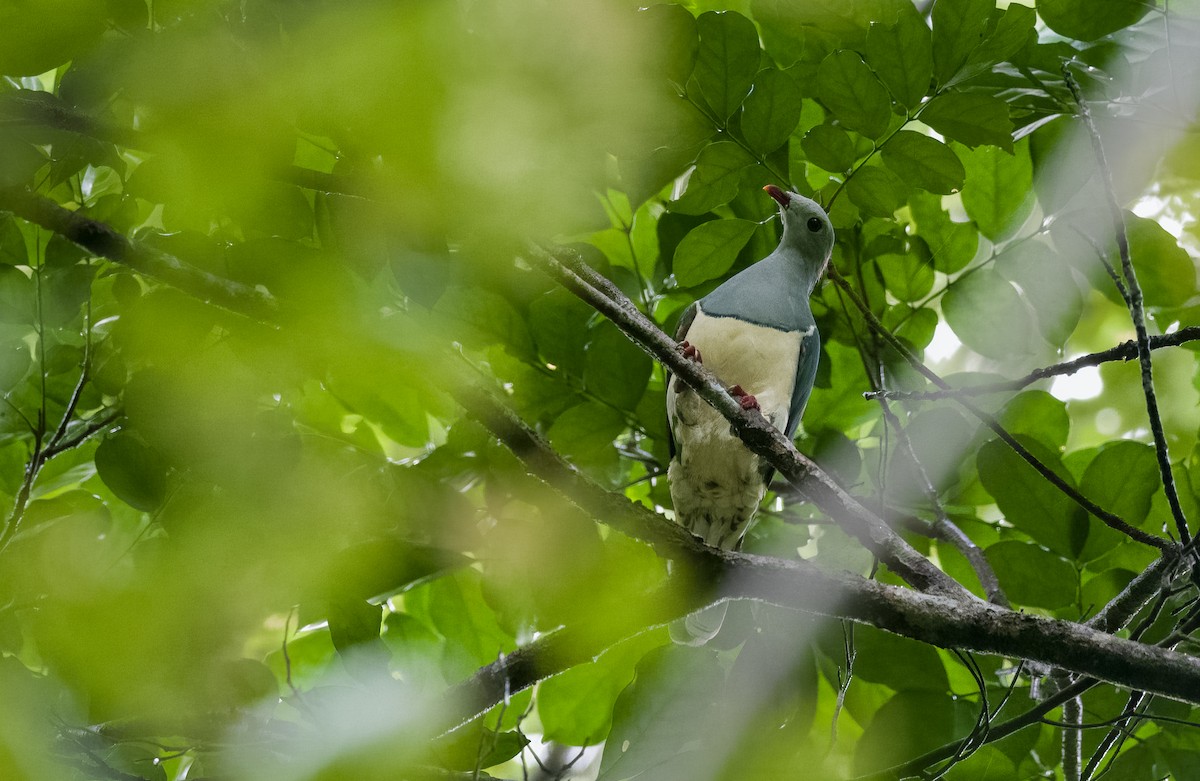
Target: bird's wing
[685, 322]
[806, 375]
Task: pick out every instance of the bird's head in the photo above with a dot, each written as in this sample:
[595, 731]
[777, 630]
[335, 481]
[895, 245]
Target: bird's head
[806, 226]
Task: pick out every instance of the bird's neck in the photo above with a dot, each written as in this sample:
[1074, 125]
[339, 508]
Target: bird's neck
[800, 272]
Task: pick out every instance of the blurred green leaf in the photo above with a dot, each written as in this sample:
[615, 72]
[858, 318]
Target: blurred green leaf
[709, 250]
[585, 434]
[849, 89]
[1122, 478]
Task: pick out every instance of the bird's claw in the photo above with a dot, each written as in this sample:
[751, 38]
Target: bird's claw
[745, 399]
[690, 351]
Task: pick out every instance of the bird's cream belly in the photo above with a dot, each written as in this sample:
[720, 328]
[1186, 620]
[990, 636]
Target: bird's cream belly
[762, 360]
[716, 483]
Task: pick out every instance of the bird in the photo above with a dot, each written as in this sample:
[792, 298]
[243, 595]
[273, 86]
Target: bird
[757, 331]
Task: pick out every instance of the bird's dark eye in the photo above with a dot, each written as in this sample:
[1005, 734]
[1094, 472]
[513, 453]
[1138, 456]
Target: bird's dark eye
[815, 225]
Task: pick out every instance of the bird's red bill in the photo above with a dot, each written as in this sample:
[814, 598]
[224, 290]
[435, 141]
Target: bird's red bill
[779, 195]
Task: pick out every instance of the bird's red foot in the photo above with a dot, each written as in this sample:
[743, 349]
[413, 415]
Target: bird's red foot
[745, 399]
[691, 353]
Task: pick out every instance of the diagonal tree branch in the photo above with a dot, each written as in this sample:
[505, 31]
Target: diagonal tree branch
[931, 618]
[761, 437]
[100, 239]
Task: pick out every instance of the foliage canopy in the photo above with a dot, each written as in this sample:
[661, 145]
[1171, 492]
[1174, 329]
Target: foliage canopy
[257, 260]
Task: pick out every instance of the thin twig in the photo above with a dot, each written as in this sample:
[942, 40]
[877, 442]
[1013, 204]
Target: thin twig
[1126, 351]
[1137, 313]
[944, 528]
[1072, 738]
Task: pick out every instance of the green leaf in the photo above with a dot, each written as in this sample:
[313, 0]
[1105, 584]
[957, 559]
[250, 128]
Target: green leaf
[354, 627]
[576, 707]
[709, 250]
[1045, 279]
[133, 471]
[1014, 29]
[877, 191]
[940, 439]
[727, 60]
[1087, 21]
[909, 724]
[854, 94]
[483, 318]
[952, 245]
[1037, 414]
[1164, 270]
[958, 27]
[13, 251]
[988, 315]
[1033, 576]
[18, 296]
[997, 190]
[15, 360]
[772, 110]
[660, 720]
[908, 276]
[901, 55]
[1123, 478]
[454, 605]
[971, 118]
[673, 30]
[897, 662]
[829, 147]
[715, 178]
[924, 162]
[1029, 502]
[584, 435]
[616, 370]
[558, 322]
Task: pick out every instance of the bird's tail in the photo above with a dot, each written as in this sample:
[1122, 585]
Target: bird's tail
[699, 627]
